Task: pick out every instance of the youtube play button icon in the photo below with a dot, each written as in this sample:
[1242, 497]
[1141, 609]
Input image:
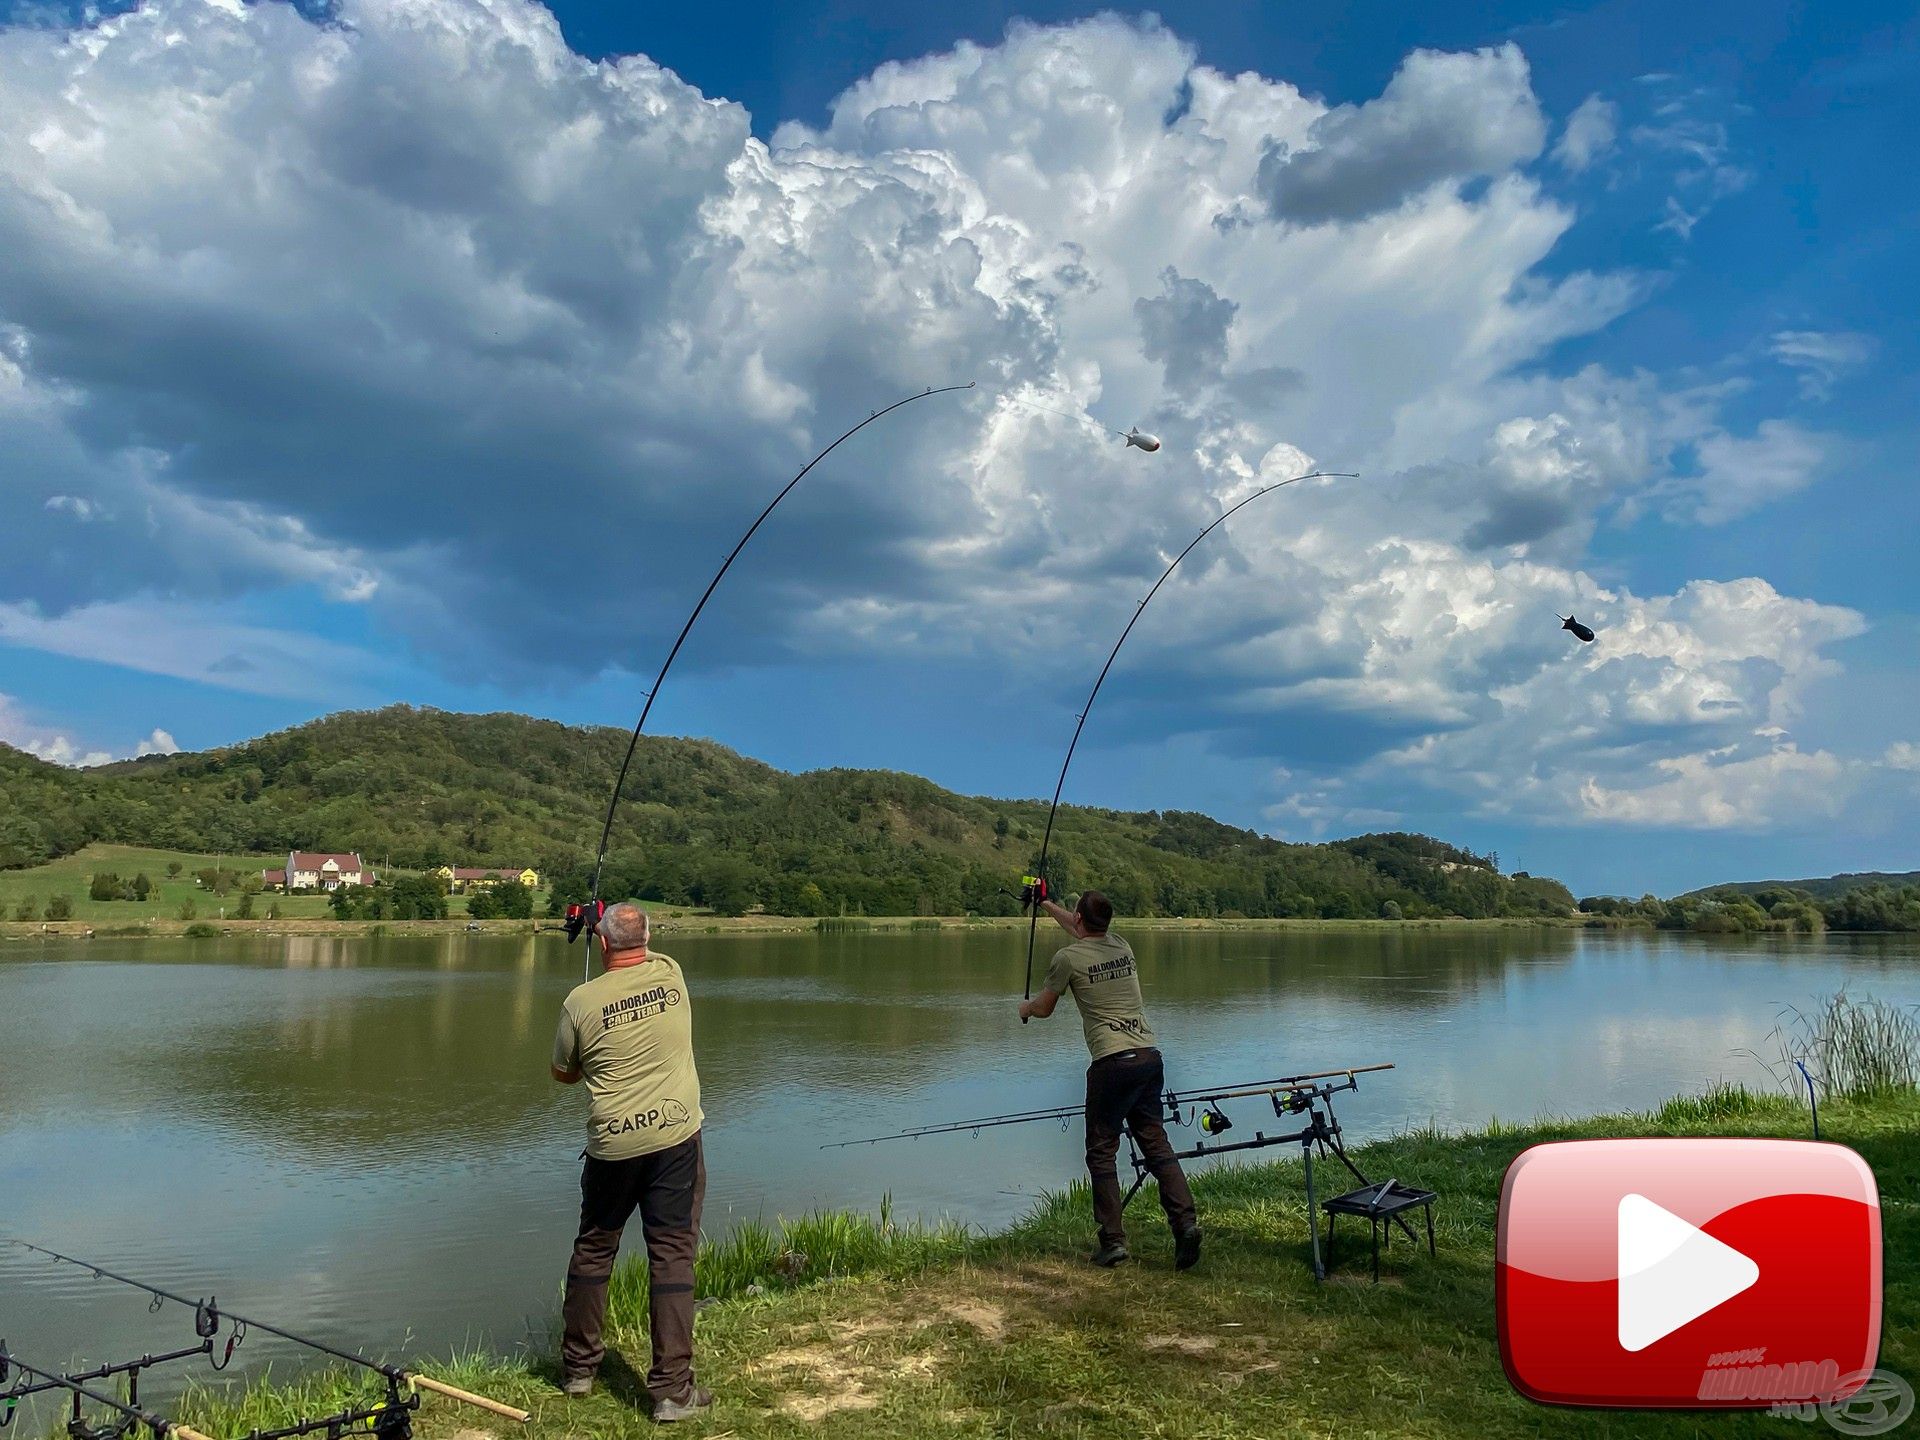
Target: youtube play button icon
[1696, 1273]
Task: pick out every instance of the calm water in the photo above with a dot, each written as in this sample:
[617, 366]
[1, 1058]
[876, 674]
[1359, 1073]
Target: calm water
[358, 1137]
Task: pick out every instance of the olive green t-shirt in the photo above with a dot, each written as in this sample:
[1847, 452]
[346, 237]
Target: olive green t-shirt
[1105, 981]
[630, 1034]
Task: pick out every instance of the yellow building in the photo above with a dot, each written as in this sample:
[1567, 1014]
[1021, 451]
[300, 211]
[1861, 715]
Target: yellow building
[468, 877]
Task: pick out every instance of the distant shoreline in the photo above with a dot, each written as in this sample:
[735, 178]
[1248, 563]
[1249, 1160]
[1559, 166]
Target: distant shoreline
[668, 923]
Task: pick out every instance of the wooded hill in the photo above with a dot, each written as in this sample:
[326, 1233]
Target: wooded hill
[700, 824]
[1830, 887]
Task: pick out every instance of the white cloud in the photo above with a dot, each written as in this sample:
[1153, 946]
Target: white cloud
[1902, 755]
[1443, 117]
[49, 744]
[1737, 475]
[1821, 357]
[79, 508]
[1690, 129]
[191, 641]
[1589, 134]
[1710, 792]
[420, 311]
[158, 743]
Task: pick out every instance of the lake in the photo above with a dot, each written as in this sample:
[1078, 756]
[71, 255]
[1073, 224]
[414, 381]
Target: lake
[357, 1137]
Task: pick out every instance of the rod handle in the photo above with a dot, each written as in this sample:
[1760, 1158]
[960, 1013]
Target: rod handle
[185, 1432]
[465, 1397]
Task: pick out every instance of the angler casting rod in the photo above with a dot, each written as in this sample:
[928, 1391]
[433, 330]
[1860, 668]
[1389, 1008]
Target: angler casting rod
[1046, 840]
[613, 802]
[1173, 1100]
[352, 1357]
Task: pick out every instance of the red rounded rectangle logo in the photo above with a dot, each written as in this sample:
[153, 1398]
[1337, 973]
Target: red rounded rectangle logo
[1688, 1272]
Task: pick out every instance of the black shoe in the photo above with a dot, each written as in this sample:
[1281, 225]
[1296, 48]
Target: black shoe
[1186, 1249]
[1109, 1255]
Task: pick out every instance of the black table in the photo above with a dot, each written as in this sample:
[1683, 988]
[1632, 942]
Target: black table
[1380, 1205]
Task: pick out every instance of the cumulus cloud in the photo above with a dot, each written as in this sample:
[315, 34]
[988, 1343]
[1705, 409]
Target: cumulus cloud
[1443, 117]
[48, 743]
[418, 311]
[158, 743]
[1589, 134]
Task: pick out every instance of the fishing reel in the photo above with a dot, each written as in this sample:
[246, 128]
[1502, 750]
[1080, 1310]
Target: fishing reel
[1214, 1121]
[1033, 891]
[392, 1418]
[584, 917]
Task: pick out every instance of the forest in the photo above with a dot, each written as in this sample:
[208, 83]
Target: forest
[411, 788]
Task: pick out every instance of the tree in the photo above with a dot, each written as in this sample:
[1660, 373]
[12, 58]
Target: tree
[1390, 910]
[514, 900]
[60, 908]
[26, 909]
[142, 886]
[482, 903]
[104, 886]
[727, 888]
[174, 867]
[244, 911]
[187, 911]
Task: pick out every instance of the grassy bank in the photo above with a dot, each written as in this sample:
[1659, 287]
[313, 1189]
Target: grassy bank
[847, 1327]
[160, 913]
[129, 920]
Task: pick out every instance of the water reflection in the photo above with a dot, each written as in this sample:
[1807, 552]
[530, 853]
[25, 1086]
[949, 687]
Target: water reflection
[358, 1135]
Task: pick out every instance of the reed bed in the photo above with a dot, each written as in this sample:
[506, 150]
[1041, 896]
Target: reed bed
[1852, 1049]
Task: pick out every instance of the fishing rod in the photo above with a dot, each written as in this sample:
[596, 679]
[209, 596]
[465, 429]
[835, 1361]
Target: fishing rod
[1174, 1100]
[208, 1315]
[130, 1410]
[586, 917]
[1037, 890]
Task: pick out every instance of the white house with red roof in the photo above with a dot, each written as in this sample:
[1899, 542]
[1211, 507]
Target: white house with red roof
[323, 872]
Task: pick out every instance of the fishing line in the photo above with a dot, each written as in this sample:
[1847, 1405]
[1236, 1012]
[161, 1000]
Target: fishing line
[1063, 414]
[576, 920]
[1046, 841]
[1136, 437]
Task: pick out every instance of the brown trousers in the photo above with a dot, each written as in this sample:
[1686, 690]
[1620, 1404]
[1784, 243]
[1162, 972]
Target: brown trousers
[1124, 1091]
[667, 1187]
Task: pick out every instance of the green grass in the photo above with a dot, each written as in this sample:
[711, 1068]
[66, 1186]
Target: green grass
[1850, 1048]
[72, 874]
[893, 1331]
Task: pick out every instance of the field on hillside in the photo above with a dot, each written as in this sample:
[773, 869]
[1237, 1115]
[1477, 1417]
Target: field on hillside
[73, 874]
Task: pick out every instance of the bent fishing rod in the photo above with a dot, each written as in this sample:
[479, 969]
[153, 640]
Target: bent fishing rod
[588, 916]
[1174, 1100]
[208, 1315]
[1037, 887]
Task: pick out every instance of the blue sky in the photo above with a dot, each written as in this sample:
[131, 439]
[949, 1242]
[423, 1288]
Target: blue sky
[434, 350]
